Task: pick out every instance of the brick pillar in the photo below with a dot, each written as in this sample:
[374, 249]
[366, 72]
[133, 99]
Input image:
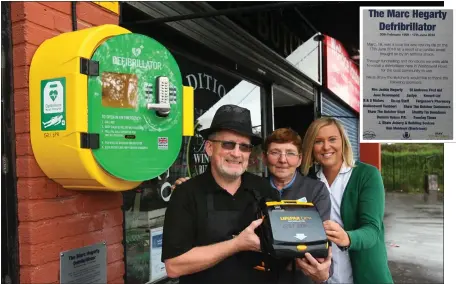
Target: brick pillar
[371, 153]
[51, 218]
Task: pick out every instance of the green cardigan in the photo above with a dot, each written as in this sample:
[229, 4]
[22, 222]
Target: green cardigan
[362, 210]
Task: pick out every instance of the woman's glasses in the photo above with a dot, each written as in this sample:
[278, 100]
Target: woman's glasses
[230, 145]
[277, 154]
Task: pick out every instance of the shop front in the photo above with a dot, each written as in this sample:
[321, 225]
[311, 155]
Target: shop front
[257, 59]
[229, 60]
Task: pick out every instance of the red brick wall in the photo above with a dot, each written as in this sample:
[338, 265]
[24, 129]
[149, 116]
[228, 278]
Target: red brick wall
[51, 218]
[371, 153]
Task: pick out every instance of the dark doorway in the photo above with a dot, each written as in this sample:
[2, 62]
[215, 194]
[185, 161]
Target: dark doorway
[10, 261]
[291, 110]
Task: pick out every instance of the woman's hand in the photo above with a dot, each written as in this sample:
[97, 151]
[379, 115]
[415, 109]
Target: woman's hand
[336, 234]
[179, 181]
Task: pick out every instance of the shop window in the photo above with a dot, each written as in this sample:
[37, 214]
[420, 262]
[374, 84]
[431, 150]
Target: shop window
[145, 206]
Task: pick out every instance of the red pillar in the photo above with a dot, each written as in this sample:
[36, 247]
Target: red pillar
[371, 153]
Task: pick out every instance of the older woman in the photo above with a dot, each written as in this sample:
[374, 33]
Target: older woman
[283, 156]
[358, 202]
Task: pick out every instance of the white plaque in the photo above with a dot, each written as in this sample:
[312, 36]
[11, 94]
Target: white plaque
[407, 74]
[84, 265]
[157, 267]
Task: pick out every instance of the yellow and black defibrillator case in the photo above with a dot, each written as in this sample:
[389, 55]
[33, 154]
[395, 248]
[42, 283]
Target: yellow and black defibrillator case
[292, 228]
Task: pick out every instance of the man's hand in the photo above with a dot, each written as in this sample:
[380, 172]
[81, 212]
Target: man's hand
[179, 181]
[336, 234]
[316, 269]
[247, 239]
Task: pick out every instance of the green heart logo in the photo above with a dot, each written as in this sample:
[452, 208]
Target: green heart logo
[53, 94]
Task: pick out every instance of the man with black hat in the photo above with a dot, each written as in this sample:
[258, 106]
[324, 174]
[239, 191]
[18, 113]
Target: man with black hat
[210, 220]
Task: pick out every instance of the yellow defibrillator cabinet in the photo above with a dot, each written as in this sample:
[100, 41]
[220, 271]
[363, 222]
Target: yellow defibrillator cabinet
[107, 108]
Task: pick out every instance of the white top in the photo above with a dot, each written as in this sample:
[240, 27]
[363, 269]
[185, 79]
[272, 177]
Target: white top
[342, 267]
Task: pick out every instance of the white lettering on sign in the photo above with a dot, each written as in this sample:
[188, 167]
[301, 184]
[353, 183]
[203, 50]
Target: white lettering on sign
[207, 82]
[138, 63]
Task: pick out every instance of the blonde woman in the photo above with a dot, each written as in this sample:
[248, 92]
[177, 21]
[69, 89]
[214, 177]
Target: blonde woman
[357, 204]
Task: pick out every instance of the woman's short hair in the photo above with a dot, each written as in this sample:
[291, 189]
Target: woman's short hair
[281, 136]
[308, 158]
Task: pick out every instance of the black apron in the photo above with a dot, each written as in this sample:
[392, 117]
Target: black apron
[237, 269]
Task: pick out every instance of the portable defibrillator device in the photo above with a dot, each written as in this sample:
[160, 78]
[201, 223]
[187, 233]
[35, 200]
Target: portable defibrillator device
[290, 229]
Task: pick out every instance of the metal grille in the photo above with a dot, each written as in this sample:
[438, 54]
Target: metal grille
[331, 107]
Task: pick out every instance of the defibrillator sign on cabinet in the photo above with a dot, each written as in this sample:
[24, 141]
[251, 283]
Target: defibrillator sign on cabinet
[130, 131]
[53, 104]
[110, 107]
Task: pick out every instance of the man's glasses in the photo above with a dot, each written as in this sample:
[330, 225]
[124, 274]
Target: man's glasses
[230, 145]
[289, 155]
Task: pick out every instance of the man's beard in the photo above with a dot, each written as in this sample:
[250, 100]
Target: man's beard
[232, 175]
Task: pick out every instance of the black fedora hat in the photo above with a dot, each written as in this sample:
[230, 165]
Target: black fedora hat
[235, 118]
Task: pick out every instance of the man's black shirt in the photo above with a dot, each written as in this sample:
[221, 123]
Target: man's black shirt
[187, 208]
[187, 212]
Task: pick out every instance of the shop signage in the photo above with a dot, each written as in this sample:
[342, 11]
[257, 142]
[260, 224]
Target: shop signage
[266, 26]
[197, 158]
[84, 265]
[342, 74]
[271, 30]
[203, 81]
[407, 57]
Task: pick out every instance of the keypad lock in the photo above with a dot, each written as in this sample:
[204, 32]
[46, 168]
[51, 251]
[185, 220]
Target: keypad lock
[162, 105]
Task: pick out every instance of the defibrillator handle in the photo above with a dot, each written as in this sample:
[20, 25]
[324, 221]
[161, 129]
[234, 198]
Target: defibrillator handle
[289, 202]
